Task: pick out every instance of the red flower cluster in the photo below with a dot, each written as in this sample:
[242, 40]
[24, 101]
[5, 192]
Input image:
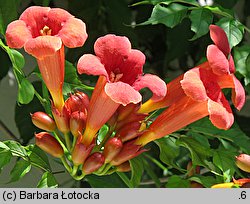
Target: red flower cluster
[116, 101]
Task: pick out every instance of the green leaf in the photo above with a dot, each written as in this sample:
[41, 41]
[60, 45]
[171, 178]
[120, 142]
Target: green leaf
[234, 134]
[104, 181]
[148, 168]
[5, 155]
[38, 158]
[242, 63]
[221, 11]
[168, 151]
[166, 2]
[16, 148]
[47, 181]
[8, 13]
[234, 30]
[5, 64]
[71, 74]
[21, 168]
[137, 171]
[102, 132]
[177, 182]
[225, 161]
[71, 79]
[206, 181]
[26, 92]
[201, 19]
[198, 153]
[18, 57]
[22, 117]
[169, 16]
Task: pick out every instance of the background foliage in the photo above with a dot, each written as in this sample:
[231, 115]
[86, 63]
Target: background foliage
[173, 34]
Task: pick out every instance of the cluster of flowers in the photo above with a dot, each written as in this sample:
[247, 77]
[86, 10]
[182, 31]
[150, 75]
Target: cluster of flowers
[116, 101]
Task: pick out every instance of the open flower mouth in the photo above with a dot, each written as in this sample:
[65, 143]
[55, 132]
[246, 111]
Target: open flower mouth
[115, 76]
[45, 31]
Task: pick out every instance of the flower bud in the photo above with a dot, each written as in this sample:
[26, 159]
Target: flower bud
[194, 184]
[112, 147]
[61, 118]
[124, 167]
[129, 131]
[49, 144]
[243, 162]
[223, 185]
[78, 101]
[93, 163]
[132, 118]
[192, 170]
[242, 181]
[129, 151]
[81, 152]
[43, 121]
[125, 111]
[77, 122]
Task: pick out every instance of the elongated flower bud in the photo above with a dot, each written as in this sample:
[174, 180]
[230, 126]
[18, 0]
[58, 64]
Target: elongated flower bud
[112, 147]
[124, 167]
[61, 118]
[192, 170]
[129, 131]
[242, 181]
[243, 162]
[49, 144]
[129, 151]
[78, 101]
[93, 163]
[81, 152]
[223, 185]
[43, 121]
[77, 122]
[125, 111]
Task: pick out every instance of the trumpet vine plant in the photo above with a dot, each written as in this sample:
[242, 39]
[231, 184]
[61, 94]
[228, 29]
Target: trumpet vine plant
[135, 104]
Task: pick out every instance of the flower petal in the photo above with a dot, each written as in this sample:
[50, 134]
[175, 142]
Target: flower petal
[73, 33]
[43, 46]
[132, 67]
[217, 60]
[112, 50]
[154, 83]
[193, 86]
[219, 38]
[220, 114]
[17, 34]
[56, 19]
[122, 93]
[35, 18]
[238, 94]
[231, 64]
[91, 65]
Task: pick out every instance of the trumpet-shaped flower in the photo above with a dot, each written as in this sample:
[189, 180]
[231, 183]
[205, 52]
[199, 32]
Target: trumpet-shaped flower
[202, 97]
[221, 65]
[43, 32]
[121, 78]
[199, 93]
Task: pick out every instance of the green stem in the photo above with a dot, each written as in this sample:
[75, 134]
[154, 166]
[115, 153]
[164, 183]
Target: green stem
[66, 165]
[60, 140]
[41, 99]
[125, 179]
[74, 171]
[78, 178]
[74, 143]
[68, 142]
[159, 164]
